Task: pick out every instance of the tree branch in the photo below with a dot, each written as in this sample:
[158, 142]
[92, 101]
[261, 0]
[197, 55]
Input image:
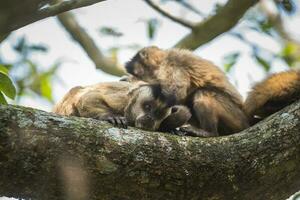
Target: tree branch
[190, 7]
[42, 13]
[168, 15]
[45, 156]
[225, 18]
[101, 62]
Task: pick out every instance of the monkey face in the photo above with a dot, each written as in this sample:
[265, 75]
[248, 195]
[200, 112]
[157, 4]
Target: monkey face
[147, 108]
[145, 63]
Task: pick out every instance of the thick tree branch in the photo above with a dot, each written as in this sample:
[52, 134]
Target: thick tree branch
[88, 45]
[40, 13]
[45, 156]
[225, 18]
[168, 15]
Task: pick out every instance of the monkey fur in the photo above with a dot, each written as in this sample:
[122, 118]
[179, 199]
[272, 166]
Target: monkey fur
[272, 94]
[216, 105]
[122, 103]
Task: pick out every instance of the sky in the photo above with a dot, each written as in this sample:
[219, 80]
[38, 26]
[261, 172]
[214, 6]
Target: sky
[127, 17]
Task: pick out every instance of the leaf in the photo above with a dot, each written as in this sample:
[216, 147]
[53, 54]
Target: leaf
[20, 46]
[46, 88]
[288, 6]
[152, 25]
[114, 53]
[230, 60]
[33, 67]
[53, 68]
[290, 54]
[2, 99]
[6, 86]
[110, 31]
[290, 48]
[38, 47]
[3, 69]
[265, 26]
[263, 62]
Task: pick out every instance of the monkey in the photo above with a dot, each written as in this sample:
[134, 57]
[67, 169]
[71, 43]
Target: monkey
[123, 103]
[216, 106]
[272, 94]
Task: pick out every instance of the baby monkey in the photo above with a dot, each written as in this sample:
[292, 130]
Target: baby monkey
[216, 105]
[123, 103]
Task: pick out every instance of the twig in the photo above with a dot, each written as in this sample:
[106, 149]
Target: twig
[168, 15]
[190, 7]
[88, 45]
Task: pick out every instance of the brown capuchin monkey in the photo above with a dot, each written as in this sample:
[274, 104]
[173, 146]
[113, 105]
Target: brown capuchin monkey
[123, 103]
[216, 105]
[272, 94]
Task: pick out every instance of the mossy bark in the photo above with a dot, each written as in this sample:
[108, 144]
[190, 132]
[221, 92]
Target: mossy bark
[45, 156]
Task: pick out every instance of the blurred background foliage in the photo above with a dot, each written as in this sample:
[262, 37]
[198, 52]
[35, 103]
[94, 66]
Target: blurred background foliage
[25, 77]
[29, 78]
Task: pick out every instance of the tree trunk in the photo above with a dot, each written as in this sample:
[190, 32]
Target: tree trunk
[46, 156]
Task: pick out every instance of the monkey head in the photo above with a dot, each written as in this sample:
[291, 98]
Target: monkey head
[145, 63]
[147, 107]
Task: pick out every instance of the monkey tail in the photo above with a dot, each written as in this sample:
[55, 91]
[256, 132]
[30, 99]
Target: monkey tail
[272, 94]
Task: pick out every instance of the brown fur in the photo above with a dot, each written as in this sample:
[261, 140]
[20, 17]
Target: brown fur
[114, 100]
[95, 101]
[195, 81]
[272, 94]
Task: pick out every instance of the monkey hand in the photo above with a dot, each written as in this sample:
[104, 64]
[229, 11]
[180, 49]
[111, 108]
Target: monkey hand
[118, 121]
[193, 131]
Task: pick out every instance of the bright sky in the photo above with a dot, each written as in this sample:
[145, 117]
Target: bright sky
[126, 16]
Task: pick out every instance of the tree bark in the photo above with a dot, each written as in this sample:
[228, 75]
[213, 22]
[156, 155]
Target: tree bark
[15, 14]
[46, 156]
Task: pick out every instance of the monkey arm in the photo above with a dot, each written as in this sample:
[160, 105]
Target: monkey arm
[178, 117]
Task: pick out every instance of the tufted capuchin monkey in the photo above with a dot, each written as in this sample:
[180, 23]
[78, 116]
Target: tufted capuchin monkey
[216, 105]
[121, 103]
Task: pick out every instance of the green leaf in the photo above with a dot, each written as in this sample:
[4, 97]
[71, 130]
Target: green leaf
[288, 6]
[21, 45]
[46, 88]
[263, 63]
[230, 60]
[33, 67]
[265, 26]
[38, 47]
[110, 31]
[152, 27]
[7, 86]
[2, 99]
[3, 69]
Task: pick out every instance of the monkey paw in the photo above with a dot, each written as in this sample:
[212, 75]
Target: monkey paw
[194, 132]
[120, 122]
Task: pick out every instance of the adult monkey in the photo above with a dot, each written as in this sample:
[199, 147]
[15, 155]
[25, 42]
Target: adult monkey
[216, 105]
[123, 103]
